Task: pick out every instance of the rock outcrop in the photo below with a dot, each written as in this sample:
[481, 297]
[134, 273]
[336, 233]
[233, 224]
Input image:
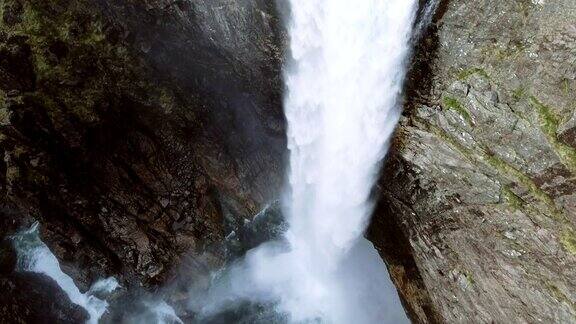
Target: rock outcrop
[30, 297]
[478, 213]
[138, 131]
[35, 298]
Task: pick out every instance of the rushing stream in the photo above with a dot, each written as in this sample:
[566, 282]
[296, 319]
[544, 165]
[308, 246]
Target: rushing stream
[35, 256]
[344, 80]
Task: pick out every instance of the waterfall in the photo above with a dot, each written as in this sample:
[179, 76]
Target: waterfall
[344, 84]
[344, 80]
[342, 107]
[425, 19]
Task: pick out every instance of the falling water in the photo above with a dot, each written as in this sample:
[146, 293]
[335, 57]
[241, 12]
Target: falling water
[342, 107]
[344, 82]
[425, 19]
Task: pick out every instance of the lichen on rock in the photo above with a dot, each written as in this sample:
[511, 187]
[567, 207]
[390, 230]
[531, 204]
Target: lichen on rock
[491, 188]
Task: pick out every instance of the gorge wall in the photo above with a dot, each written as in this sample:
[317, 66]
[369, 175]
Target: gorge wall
[479, 193]
[139, 132]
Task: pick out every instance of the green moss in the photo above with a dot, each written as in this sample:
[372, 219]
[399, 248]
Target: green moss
[4, 117]
[503, 167]
[79, 80]
[446, 138]
[478, 71]
[511, 172]
[519, 93]
[568, 240]
[549, 124]
[43, 30]
[559, 295]
[510, 51]
[32, 21]
[469, 278]
[12, 174]
[452, 103]
[94, 35]
[511, 198]
[2, 99]
[566, 87]
[524, 7]
[2, 4]
[4, 112]
[39, 33]
[166, 100]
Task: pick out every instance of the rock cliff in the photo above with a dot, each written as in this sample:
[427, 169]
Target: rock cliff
[478, 205]
[138, 131]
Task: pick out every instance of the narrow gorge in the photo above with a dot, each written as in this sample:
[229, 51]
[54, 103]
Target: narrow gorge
[221, 161]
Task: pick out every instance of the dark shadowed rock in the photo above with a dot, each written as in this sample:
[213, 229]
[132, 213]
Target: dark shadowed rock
[7, 258]
[268, 225]
[29, 297]
[34, 298]
[126, 127]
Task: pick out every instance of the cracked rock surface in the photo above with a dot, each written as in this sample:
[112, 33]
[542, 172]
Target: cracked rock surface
[481, 181]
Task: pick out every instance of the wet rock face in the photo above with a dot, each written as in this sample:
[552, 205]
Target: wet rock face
[29, 297]
[135, 131]
[481, 181]
[35, 298]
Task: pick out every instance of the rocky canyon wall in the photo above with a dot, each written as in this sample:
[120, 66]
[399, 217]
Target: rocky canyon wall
[138, 131]
[479, 193]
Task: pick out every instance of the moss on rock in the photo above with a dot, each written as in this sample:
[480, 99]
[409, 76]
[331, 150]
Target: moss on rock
[511, 198]
[549, 124]
[568, 240]
[465, 74]
[452, 103]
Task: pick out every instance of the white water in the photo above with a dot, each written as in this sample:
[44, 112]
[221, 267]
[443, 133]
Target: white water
[35, 256]
[425, 19]
[342, 108]
[159, 313]
[344, 84]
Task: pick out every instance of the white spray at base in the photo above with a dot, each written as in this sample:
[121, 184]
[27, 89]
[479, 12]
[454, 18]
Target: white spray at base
[155, 311]
[343, 90]
[35, 256]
